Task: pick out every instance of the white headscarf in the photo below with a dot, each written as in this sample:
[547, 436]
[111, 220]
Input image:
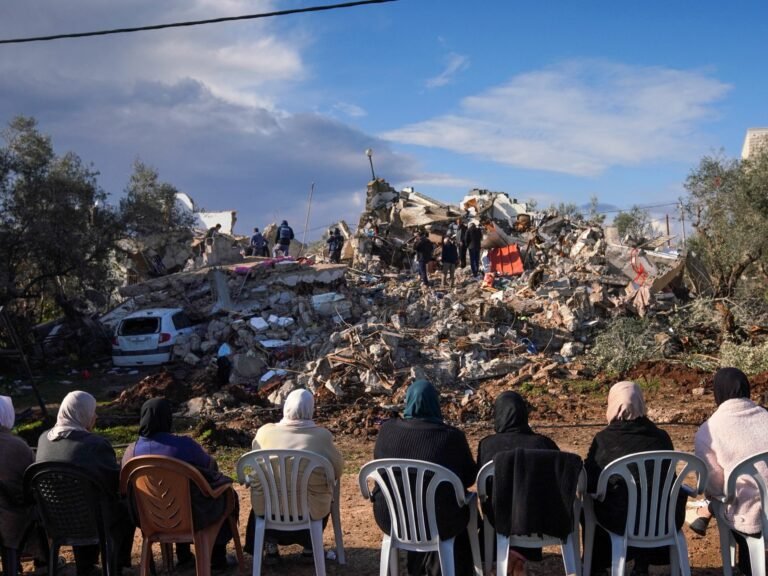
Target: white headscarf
[76, 414]
[298, 410]
[7, 413]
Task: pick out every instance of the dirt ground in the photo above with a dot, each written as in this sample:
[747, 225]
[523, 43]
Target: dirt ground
[679, 399]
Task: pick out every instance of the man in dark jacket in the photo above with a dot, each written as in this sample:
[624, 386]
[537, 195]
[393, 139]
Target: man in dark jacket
[283, 238]
[450, 258]
[474, 239]
[461, 237]
[424, 249]
[258, 243]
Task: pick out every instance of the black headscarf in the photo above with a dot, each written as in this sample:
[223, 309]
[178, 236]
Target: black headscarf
[510, 414]
[730, 383]
[422, 401]
[156, 417]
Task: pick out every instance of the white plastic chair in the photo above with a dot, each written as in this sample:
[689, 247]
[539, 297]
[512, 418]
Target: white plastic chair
[406, 506]
[655, 497]
[569, 548]
[284, 476]
[756, 545]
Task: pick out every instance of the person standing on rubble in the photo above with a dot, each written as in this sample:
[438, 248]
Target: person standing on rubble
[461, 237]
[335, 248]
[449, 257]
[283, 238]
[258, 243]
[474, 238]
[425, 250]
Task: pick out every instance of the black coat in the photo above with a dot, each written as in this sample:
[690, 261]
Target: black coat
[474, 238]
[433, 442]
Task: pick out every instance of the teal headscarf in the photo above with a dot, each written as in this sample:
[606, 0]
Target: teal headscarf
[422, 401]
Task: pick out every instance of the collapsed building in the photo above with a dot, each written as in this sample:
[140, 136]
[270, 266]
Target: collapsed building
[365, 330]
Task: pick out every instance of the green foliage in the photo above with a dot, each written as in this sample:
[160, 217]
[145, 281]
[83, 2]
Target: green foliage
[593, 216]
[119, 434]
[728, 206]
[624, 343]
[635, 223]
[150, 205]
[746, 357]
[56, 234]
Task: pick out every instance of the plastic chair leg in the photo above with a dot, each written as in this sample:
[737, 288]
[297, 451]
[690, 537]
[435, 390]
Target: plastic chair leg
[316, 531]
[726, 548]
[474, 539]
[445, 550]
[570, 551]
[341, 557]
[146, 556]
[618, 555]
[258, 544]
[10, 561]
[203, 547]
[589, 543]
[238, 546]
[756, 555]
[502, 553]
[681, 555]
[488, 538]
[387, 564]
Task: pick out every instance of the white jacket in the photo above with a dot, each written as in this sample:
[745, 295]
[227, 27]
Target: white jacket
[738, 429]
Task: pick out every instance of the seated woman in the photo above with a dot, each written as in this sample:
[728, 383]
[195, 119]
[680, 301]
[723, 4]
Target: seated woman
[296, 431]
[156, 439]
[422, 435]
[510, 424]
[735, 431]
[72, 441]
[16, 517]
[629, 431]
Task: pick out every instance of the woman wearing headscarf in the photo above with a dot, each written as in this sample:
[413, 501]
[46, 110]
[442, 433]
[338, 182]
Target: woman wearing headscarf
[629, 431]
[511, 430]
[15, 456]
[296, 431]
[737, 429]
[422, 435]
[72, 441]
[156, 439]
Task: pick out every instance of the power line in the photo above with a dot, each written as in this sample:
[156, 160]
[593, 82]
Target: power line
[192, 22]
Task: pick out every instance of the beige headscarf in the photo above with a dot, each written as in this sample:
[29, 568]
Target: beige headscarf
[7, 414]
[76, 413]
[625, 402]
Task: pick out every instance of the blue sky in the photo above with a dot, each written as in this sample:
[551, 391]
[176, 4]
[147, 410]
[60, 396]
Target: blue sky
[556, 101]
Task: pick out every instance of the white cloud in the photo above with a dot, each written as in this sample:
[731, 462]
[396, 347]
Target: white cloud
[455, 64]
[351, 110]
[580, 117]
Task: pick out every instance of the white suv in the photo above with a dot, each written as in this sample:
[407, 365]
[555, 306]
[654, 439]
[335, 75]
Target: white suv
[146, 337]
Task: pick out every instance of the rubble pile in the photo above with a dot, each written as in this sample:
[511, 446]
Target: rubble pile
[356, 335]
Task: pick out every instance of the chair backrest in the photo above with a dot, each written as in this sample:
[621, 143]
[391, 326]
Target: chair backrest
[653, 484]
[160, 487]
[756, 467]
[283, 476]
[411, 503]
[70, 502]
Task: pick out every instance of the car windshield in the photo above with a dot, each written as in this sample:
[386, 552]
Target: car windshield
[138, 326]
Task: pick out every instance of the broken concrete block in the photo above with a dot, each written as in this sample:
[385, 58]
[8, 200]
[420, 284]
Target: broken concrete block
[571, 349]
[258, 324]
[246, 368]
[192, 359]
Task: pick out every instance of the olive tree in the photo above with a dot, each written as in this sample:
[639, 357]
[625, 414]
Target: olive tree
[56, 231]
[727, 204]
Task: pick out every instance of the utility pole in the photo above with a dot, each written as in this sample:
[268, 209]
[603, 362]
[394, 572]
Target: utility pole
[682, 221]
[669, 239]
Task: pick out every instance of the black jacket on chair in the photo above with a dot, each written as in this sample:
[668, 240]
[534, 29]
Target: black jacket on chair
[534, 491]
